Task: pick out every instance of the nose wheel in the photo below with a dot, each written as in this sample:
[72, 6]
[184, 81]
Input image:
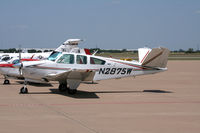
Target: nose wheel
[24, 89]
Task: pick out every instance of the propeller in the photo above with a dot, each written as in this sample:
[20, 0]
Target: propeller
[20, 65]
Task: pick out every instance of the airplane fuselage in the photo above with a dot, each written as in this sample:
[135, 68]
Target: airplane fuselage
[105, 68]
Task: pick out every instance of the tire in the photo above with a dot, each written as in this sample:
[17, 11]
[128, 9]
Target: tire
[23, 90]
[6, 82]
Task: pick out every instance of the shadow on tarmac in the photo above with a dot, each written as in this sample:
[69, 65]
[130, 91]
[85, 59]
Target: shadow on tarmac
[35, 84]
[157, 91]
[78, 95]
[87, 95]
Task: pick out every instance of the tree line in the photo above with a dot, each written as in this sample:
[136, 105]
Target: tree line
[92, 50]
[190, 50]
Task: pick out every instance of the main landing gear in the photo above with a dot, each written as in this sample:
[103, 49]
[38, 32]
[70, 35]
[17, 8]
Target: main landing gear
[6, 82]
[63, 87]
[24, 89]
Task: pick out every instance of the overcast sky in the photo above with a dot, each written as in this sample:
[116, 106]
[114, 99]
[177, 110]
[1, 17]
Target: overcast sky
[107, 24]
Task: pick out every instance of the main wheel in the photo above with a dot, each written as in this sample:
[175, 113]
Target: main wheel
[6, 82]
[62, 87]
[23, 90]
[72, 91]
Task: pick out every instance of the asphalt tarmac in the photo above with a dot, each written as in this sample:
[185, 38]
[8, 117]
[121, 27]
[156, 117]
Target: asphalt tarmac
[167, 102]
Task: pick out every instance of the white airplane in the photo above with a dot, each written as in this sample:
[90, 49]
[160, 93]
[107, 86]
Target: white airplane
[70, 69]
[7, 69]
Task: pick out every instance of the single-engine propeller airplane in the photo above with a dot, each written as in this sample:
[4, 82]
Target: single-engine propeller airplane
[9, 71]
[70, 69]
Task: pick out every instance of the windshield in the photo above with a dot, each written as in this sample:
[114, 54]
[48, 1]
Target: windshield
[54, 56]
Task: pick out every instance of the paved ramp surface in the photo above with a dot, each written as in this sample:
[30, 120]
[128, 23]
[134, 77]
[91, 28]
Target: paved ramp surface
[167, 102]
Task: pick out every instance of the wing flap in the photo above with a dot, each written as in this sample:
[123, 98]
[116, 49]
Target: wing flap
[78, 74]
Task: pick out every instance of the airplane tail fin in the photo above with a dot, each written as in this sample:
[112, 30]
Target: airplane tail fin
[156, 57]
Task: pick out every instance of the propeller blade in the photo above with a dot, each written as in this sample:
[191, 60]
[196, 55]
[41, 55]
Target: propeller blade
[20, 65]
[20, 57]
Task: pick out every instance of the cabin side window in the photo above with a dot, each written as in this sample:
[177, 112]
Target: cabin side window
[96, 61]
[80, 59]
[66, 59]
[6, 58]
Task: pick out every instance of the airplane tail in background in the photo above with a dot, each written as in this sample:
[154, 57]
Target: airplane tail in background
[156, 57]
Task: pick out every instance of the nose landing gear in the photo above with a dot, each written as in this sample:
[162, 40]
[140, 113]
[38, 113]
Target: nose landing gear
[24, 89]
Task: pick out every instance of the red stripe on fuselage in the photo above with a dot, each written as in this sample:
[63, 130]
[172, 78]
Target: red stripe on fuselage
[129, 64]
[29, 60]
[7, 65]
[56, 68]
[44, 67]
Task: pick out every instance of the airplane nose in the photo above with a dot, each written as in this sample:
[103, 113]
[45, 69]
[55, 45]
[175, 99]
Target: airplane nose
[18, 65]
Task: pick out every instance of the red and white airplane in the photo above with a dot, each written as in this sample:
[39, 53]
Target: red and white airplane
[7, 69]
[7, 56]
[70, 69]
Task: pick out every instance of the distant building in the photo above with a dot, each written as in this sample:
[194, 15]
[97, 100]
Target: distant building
[37, 49]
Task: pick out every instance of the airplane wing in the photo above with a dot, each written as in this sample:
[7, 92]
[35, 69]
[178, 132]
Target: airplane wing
[73, 74]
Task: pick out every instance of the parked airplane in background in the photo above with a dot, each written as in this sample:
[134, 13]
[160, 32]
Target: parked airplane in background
[70, 45]
[7, 69]
[70, 69]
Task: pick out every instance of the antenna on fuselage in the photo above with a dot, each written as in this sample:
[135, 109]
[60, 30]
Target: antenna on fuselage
[95, 52]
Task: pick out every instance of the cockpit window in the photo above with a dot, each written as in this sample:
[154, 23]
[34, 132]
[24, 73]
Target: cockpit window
[66, 59]
[97, 61]
[80, 59]
[54, 56]
[6, 58]
[15, 61]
